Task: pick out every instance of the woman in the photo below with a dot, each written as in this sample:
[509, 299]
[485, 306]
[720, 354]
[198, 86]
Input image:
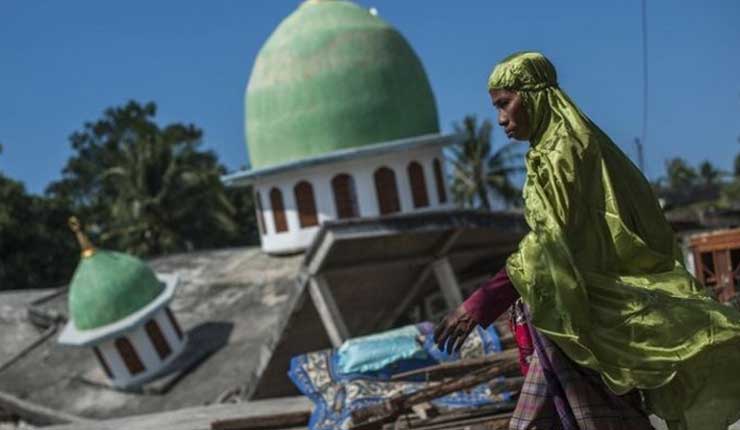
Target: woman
[614, 315]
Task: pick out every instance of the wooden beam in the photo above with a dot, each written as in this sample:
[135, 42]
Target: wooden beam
[722, 239]
[460, 367]
[328, 310]
[479, 418]
[197, 417]
[277, 421]
[447, 281]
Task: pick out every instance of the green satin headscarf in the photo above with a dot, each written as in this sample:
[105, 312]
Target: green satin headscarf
[601, 271]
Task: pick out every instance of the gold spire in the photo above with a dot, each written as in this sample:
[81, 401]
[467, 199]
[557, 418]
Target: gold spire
[87, 247]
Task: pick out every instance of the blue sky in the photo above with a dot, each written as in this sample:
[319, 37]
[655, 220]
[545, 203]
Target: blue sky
[63, 63]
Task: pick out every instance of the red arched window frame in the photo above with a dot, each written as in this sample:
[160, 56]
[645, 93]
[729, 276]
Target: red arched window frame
[129, 355]
[345, 196]
[278, 210]
[386, 191]
[440, 181]
[306, 203]
[156, 337]
[418, 185]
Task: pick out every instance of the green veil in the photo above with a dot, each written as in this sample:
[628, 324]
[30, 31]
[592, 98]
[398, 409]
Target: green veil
[601, 270]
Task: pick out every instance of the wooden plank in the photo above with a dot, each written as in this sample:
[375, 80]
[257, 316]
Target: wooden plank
[197, 418]
[721, 239]
[459, 418]
[328, 310]
[458, 422]
[277, 421]
[511, 385]
[447, 370]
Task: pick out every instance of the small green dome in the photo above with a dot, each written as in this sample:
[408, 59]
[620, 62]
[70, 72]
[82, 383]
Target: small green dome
[334, 76]
[109, 286]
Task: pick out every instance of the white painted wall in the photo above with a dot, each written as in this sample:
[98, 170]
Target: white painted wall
[145, 349]
[362, 170]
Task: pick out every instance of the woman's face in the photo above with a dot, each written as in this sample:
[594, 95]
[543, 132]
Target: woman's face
[512, 115]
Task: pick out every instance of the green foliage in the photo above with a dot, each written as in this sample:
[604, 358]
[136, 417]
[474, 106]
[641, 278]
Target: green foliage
[708, 174]
[245, 217]
[139, 187]
[730, 195]
[35, 250]
[146, 189]
[478, 172]
[680, 174]
[684, 186]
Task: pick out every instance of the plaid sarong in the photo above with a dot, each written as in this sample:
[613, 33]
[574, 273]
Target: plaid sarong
[559, 394]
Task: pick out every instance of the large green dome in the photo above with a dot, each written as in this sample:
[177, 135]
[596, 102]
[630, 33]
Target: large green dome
[109, 286]
[334, 76]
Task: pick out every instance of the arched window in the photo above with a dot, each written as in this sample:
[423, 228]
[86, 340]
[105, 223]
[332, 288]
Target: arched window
[386, 191]
[157, 339]
[102, 362]
[306, 204]
[129, 355]
[345, 196]
[260, 213]
[439, 179]
[418, 185]
[278, 210]
[173, 321]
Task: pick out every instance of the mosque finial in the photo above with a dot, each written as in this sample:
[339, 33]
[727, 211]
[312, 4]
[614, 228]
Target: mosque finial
[87, 247]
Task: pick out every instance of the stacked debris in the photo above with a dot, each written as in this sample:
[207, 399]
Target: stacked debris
[384, 381]
[414, 410]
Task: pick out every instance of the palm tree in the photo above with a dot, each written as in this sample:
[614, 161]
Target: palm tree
[168, 195]
[502, 164]
[709, 174]
[477, 171]
[145, 188]
[679, 174]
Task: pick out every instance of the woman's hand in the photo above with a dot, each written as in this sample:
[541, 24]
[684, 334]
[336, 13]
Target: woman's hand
[451, 332]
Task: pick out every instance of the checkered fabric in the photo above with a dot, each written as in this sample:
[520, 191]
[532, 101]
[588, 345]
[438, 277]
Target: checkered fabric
[559, 394]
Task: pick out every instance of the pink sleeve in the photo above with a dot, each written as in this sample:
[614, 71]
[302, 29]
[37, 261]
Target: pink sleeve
[491, 299]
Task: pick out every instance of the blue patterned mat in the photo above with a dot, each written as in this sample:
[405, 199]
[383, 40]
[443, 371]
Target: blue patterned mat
[358, 374]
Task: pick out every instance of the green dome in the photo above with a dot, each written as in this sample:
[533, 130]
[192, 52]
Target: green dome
[333, 76]
[109, 286]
